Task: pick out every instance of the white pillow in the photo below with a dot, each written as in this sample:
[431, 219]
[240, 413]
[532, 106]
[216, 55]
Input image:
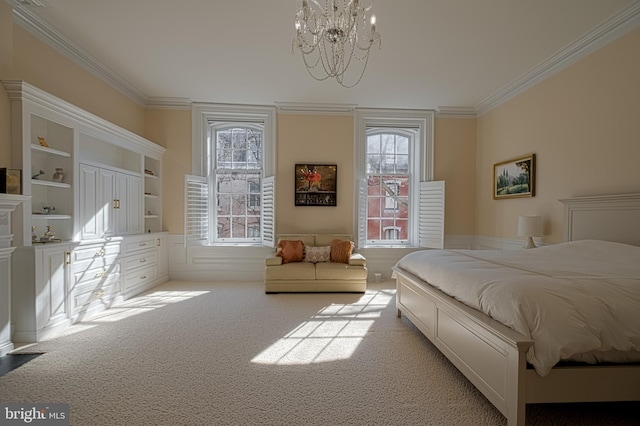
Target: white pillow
[317, 254]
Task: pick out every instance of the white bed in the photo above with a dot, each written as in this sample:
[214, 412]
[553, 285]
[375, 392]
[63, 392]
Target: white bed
[493, 356]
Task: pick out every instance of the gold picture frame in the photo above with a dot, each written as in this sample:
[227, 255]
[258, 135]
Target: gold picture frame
[515, 178]
[10, 181]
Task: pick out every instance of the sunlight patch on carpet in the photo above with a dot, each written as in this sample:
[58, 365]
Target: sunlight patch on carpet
[332, 334]
[145, 303]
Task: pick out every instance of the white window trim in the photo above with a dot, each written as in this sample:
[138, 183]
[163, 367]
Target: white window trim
[202, 115]
[423, 121]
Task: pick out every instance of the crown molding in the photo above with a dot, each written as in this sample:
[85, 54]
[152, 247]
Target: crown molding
[52, 36]
[314, 108]
[620, 23]
[169, 103]
[456, 112]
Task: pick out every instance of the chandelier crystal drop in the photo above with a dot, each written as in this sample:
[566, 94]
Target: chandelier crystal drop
[335, 37]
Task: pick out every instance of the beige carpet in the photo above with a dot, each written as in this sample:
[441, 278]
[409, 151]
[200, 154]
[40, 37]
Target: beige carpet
[225, 353]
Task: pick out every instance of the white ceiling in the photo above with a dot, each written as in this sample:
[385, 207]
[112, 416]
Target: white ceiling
[435, 53]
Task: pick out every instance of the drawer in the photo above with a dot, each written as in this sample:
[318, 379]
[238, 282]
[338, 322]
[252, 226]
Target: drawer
[139, 278]
[139, 244]
[94, 272]
[105, 263]
[133, 263]
[94, 294]
[95, 251]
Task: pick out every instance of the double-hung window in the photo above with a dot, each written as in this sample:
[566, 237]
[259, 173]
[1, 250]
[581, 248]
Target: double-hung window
[398, 205]
[232, 187]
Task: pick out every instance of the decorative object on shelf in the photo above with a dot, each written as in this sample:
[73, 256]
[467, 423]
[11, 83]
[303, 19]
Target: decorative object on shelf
[316, 184]
[149, 172]
[49, 234]
[43, 142]
[37, 175]
[515, 178]
[48, 209]
[330, 38]
[529, 227]
[58, 175]
[34, 237]
[10, 181]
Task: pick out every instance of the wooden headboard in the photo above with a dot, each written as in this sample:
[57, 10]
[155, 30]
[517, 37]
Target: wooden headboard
[603, 217]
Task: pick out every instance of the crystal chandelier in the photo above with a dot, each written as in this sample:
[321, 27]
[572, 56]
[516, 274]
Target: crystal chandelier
[332, 37]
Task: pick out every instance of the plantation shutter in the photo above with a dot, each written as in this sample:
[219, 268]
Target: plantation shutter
[268, 211]
[431, 217]
[196, 215]
[362, 213]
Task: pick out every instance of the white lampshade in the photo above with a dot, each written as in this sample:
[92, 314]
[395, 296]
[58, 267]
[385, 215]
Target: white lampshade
[530, 226]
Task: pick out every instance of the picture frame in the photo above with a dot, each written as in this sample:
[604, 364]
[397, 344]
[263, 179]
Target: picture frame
[515, 178]
[316, 184]
[10, 181]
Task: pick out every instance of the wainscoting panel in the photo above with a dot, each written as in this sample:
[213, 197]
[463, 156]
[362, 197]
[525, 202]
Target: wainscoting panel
[236, 263]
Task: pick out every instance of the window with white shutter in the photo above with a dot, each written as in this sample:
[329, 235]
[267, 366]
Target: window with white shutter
[234, 152]
[196, 215]
[394, 156]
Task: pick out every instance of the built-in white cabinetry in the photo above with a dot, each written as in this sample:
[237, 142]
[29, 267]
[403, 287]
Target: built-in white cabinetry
[96, 186]
[110, 201]
[8, 204]
[39, 290]
[95, 280]
[141, 257]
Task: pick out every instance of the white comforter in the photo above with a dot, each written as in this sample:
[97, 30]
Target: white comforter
[577, 301]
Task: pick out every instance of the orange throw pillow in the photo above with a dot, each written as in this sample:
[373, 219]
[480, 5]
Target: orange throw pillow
[341, 250]
[290, 250]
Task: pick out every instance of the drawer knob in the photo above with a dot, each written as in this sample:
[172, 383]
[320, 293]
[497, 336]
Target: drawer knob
[143, 277]
[143, 244]
[143, 260]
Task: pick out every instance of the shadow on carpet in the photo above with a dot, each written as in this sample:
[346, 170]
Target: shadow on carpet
[10, 362]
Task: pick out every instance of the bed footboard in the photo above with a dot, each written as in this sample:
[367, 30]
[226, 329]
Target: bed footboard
[489, 354]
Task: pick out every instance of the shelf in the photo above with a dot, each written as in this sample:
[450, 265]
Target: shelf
[151, 195]
[151, 216]
[50, 216]
[50, 183]
[50, 150]
[151, 176]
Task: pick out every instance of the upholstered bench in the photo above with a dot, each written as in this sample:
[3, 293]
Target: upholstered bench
[315, 263]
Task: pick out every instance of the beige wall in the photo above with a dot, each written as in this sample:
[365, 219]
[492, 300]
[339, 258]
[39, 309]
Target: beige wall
[322, 139]
[583, 124]
[172, 129]
[455, 145]
[6, 65]
[44, 67]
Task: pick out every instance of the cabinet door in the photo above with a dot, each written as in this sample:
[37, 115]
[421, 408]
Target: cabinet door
[135, 205]
[108, 202]
[90, 214]
[51, 276]
[129, 211]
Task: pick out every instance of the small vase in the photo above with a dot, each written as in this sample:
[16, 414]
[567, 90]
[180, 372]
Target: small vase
[58, 175]
[34, 237]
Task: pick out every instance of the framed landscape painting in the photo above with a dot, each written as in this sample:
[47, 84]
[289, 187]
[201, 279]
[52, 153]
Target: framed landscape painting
[316, 184]
[514, 178]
